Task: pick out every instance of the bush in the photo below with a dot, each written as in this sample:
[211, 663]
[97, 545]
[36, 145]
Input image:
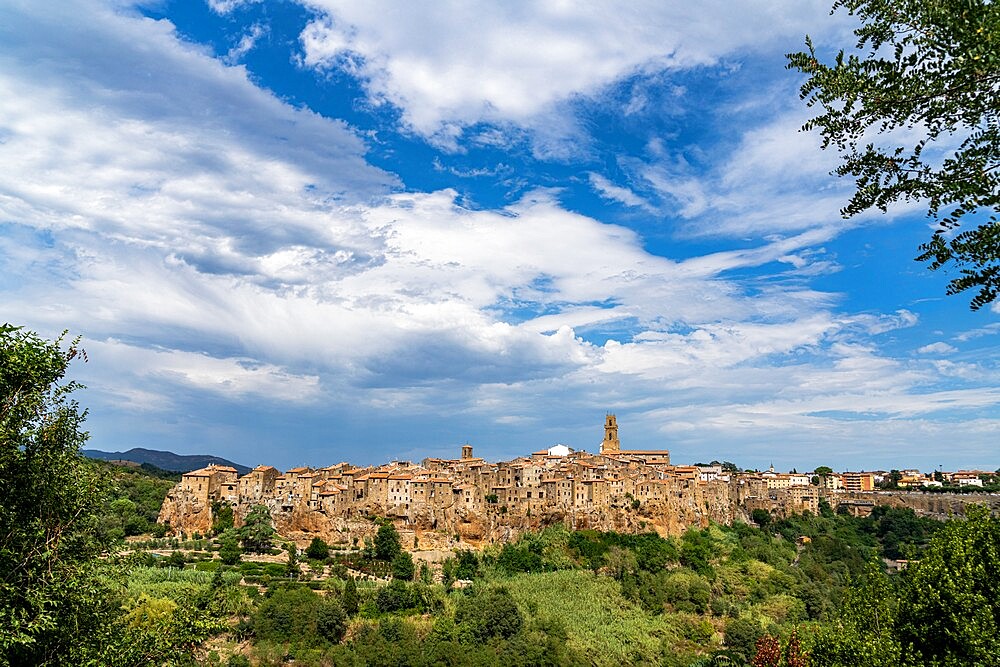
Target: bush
[394, 597]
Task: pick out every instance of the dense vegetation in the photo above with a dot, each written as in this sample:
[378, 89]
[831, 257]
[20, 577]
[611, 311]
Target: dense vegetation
[808, 586]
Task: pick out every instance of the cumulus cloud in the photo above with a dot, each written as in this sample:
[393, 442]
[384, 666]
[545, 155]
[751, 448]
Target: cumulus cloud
[448, 66]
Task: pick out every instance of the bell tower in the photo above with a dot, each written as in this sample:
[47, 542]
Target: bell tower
[611, 443]
[466, 452]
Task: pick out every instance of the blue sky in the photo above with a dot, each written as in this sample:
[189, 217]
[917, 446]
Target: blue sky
[313, 231]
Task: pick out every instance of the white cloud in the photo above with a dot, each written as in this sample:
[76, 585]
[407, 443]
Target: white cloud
[451, 65]
[245, 45]
[216, 241]
[227, 6]
[609, 190]
[233, 378]
[939, 347]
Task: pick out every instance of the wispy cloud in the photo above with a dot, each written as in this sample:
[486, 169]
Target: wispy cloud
[609, 190]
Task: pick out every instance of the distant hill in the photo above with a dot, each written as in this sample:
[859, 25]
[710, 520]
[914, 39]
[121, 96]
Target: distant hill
[164, 460]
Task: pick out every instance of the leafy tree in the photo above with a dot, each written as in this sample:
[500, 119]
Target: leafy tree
[925, 77]
[387, 542]
[468, 565]
[491, 613]
[951, 609]
[318, 549]
[394, 597]
[350, 597]
[229, 548]
[823, 470]
[287, 614]
[865, 632]
[50, 504]
[257, 531]
[222, 514]
[402, 567]
[742, 635]
[292, 564]
[331, 621]
[761, 517]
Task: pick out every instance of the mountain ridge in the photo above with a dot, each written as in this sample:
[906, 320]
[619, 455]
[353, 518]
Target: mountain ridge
[165, 459]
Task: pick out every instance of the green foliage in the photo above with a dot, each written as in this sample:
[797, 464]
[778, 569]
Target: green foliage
[488, 614]
[950, 613]
[257, 532]
[50, 506]
[761, 517]
[387, 542]
[349, 600]
[222, 517]
[741, 636]
[402, 567]
[467, 565]
[397, 596]
[599, 622]
[697, 552]
[229, 548]
[924, 78]
[318, 549]
[331, 621]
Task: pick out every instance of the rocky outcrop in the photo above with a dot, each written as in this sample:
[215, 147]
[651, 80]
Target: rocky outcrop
[445, 528]
[182, 512]
[935, 505]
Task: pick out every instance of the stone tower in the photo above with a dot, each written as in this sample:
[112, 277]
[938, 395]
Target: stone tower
[466, 452]
[611, 443]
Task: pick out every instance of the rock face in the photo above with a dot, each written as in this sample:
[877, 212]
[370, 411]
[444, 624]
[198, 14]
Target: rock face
[935, 505]
[184, 512]
[445, 528]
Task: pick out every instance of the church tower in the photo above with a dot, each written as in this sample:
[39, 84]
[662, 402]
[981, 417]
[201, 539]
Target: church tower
[466, 452]
[611, 443]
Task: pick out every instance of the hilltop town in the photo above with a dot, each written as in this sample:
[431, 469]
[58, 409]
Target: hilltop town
[470, 500]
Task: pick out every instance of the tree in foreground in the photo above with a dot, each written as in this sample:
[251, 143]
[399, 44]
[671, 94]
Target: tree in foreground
[951, 612]
[51, 582]
[925, 78]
